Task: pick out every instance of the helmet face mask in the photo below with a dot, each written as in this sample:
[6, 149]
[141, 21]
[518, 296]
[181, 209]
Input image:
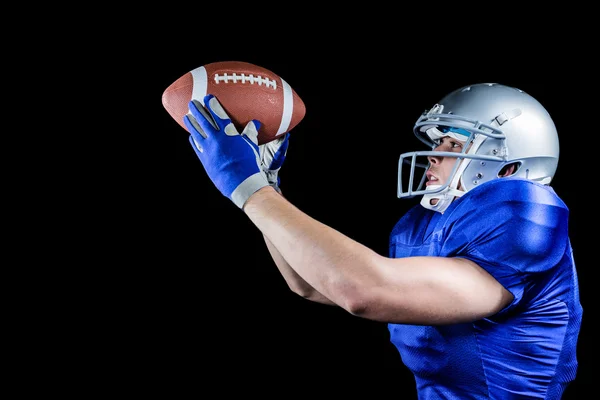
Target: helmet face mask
[499, 125]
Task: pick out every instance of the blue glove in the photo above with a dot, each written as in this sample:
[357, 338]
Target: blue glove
[272, 155]
[230, 159]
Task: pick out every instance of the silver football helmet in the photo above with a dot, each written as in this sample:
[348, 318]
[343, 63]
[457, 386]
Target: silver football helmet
[499, 124]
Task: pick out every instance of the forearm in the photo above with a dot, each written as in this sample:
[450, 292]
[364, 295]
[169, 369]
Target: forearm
[293, 280]
[327, 260]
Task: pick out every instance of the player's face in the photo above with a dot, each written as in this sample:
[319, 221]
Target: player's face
[440, 168]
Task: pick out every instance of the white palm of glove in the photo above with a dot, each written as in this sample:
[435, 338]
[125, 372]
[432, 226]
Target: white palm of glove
[272, 155]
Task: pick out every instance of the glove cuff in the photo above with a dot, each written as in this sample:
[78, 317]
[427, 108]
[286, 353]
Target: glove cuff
[247, 188]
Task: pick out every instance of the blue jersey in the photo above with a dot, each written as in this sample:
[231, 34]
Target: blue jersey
[516, 230]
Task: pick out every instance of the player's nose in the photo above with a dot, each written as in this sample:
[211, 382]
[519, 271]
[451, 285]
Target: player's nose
[433, 159]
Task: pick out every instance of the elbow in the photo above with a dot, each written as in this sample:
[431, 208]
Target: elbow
[366, 306]
[360, 294]
[358, 307]
[357, 301]
[363, 297]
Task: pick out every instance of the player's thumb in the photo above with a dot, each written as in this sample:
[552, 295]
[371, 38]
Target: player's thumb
[251, 131]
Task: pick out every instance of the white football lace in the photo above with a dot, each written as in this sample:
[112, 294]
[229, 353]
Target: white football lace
[243, 78]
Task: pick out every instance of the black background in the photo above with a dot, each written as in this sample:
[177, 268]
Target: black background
[192, 302]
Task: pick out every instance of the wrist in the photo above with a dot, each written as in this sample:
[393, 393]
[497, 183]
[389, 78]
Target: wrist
[247, 188]
[260, 196]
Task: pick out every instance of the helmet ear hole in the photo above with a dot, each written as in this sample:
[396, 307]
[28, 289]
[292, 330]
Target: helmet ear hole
[509, 169]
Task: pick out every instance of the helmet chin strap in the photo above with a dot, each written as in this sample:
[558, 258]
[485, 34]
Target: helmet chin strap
[444, 198]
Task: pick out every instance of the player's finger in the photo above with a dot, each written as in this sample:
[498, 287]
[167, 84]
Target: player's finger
[219, 115]
[196, 146]
[197, 110]
[193, 127]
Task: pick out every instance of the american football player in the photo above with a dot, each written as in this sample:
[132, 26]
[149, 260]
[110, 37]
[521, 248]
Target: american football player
[479, 289]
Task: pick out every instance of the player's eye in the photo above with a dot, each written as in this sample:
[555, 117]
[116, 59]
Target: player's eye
[443, 140]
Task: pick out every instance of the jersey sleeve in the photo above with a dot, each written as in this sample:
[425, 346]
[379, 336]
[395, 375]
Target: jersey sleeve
[513, 228]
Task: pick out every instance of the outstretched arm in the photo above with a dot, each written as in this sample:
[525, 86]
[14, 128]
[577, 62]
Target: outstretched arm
[415, 290]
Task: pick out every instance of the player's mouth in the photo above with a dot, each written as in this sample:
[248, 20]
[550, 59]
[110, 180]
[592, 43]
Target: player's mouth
[431, 179]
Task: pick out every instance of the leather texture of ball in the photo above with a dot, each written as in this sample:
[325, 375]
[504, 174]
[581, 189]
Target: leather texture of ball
[246, 92]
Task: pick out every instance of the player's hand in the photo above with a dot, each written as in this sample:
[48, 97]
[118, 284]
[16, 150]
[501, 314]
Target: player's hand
[272, 155]
[231, 159]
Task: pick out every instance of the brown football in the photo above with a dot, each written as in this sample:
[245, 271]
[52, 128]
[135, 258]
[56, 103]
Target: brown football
[246, 92]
